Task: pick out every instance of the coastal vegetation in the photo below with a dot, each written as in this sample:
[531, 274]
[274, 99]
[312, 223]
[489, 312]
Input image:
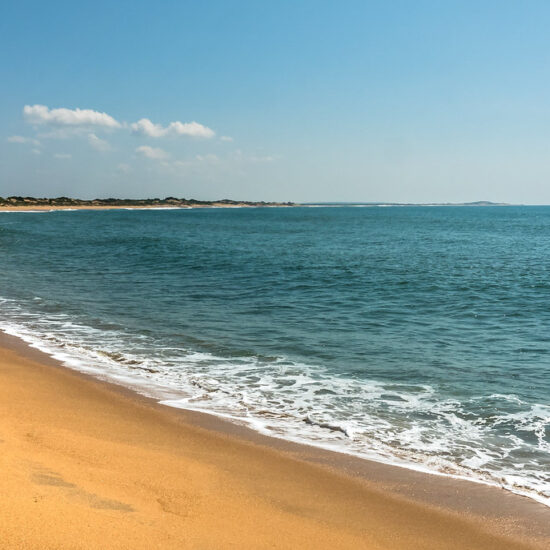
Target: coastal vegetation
[168, 201]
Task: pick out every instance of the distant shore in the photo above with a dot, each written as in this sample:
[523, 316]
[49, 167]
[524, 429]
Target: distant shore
[43, 208]
[67, 203]
[15, 204]
[87, 460]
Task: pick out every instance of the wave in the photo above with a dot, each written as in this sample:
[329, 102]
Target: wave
[25, 211]
[497, 439]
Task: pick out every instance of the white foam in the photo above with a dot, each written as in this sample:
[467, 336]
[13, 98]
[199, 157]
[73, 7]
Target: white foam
[409, 426]
[25, 211]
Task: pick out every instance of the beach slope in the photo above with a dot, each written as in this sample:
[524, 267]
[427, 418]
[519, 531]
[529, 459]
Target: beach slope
[87, 465]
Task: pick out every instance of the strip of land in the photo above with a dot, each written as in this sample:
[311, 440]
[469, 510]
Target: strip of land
[17, 203]
[59, 203]
[87, 465]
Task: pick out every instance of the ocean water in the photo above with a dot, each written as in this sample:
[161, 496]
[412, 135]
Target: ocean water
[413, 335]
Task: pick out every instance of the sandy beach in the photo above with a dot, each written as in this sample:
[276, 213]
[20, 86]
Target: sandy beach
[48, 208]
[87, 464]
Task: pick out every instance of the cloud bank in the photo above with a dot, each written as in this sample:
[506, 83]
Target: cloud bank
[40, 114]
[89, 125]
[177, 128]
[65, 123]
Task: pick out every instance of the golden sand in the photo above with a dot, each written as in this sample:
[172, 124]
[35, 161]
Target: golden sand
[86, 465]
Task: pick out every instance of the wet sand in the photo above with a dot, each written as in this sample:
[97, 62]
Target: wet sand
[86, 464]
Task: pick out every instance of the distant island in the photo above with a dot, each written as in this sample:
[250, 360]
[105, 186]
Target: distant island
[25, 203]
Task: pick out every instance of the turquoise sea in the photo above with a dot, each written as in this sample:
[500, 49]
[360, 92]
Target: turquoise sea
[413, 335]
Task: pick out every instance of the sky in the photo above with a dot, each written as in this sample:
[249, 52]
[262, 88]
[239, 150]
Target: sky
[307, 101]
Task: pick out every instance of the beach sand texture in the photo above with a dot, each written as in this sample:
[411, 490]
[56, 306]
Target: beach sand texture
[87, 465]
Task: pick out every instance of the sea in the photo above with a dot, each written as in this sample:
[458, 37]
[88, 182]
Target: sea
[412, 335]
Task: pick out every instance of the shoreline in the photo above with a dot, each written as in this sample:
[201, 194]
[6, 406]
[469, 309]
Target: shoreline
[162, 395]
[467, 509]
[45, 208]
[215, 204]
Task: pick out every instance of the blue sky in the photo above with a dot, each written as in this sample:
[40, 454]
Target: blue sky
[304, 101]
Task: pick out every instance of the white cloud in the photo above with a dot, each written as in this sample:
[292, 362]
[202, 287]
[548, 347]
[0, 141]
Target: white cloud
[21, 139]
[226, 138]
[152, 152]
[37, 151]
[98, 144]
[40, 114]
[193, 129]
[62, 156]
[146, 127]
